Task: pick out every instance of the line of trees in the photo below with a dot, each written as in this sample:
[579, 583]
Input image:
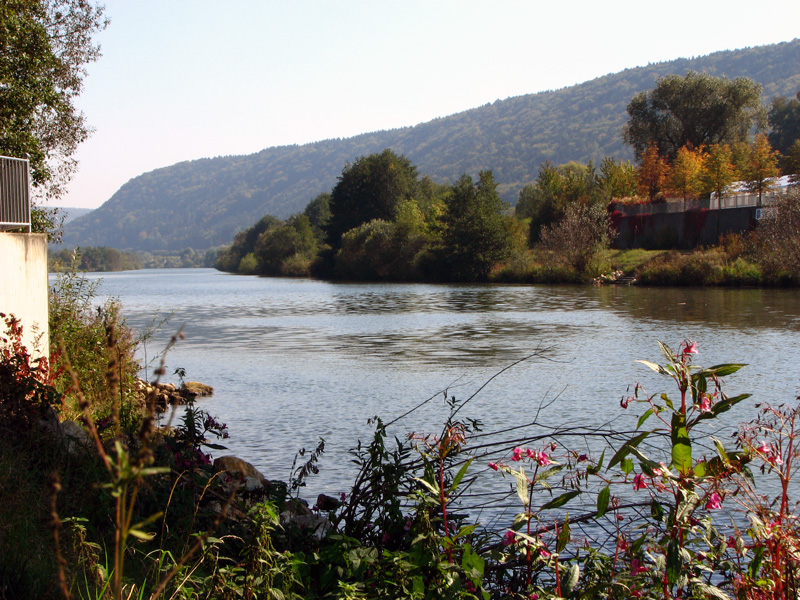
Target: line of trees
[384, 221]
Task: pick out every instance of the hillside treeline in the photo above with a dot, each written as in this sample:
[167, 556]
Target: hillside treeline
[203, 203]
[385, 221]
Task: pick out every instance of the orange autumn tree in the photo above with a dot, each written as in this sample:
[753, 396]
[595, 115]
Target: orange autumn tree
[653, 172]
[684, 175]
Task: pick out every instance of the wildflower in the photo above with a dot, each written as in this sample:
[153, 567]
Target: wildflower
[509, 538]
[542, 459]
[731, 542]
[639, 482]
[765, 448]
[775, 459]
[583, 458]
[493, 466]
[688, 347]
[705, 403]
[470, 586]
[408, 524]
[342, 497]
[620, 518]
[530, 453]
[637, 567]
[516, 454]
[533, 596]
[714, 501]
[625, 401]
[544, 552]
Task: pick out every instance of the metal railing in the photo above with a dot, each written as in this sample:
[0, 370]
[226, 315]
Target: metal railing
[15, 197]
[679, 206]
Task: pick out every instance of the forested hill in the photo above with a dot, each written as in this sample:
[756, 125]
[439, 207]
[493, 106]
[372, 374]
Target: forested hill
[202, 203]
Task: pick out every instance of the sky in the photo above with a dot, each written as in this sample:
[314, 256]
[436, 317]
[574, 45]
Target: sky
[185, 79]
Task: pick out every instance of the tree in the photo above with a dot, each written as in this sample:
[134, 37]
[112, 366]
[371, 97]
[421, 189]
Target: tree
[718, 170]
[371, 188]
[580, 238]
[784, 119]
[474, 233]
[695, 110]
[791, 163]
[776, 240]
[616, 179]
[652, 173]
[684, 175]
[762, 166]
[44, 47]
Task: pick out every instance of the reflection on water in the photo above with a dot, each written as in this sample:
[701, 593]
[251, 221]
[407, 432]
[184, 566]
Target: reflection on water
[295, 360]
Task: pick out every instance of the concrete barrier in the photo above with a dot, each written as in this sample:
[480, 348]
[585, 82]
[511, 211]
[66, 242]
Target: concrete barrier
[24, 286]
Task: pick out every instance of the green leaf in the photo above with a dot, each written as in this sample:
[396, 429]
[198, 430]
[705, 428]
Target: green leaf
[560, 500]
[433, 489]
[720, 370]
[674, 563]
[681, 445]
[459, 476]
[656, 510]
[657, 368]
[644, 418]
[602, 501]
[626, 448]
[563, 536]
[755, 564]
[522, 485]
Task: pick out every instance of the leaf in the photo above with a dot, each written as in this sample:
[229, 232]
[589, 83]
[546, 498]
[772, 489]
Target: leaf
[657, 368]
[681, 445]
[215, 446]
[710, 591]
[459, 476]
[626, 448]
[522, 485]
[563, 536]
[720, 370]
[602, 501]
[644, 418]
[673, 561]
[571, 578]
[560, 500]
[755, 564]
[656, 510]
[433, 489]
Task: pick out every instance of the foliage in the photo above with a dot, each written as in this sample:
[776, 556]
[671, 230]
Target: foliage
[580, 239]
[474, 233]
[26, 383]
[652, 173]
[94, 259]
[204, 203]
[370, 188]
[762, 166]
[784, 120]
[695, 111]
[684, 175]
[719, 170]
[45, 47]
[775, 243]
[95, 343]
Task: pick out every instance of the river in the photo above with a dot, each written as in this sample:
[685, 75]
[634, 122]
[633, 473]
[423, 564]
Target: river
[295, 360]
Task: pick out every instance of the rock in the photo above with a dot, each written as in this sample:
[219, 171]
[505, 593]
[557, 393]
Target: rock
[190, 389]
[74, 436]
[239, 469]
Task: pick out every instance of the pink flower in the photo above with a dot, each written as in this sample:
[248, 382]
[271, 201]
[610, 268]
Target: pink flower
[714, 501]
[544, 552]
[705, 403]
[542, 459]
[688, 347]
[534, 596]
[493, 466]
[625, 401]
[583, 458]
[509, 538]
[516, 454]
[639, 482]
[530, 453]
[775, 459]
[765, 448]
[637, 567]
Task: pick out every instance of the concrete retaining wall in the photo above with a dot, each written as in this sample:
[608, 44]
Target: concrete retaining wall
[24, 288]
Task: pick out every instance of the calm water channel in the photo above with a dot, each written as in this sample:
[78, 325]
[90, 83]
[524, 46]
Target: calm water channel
[295, 360]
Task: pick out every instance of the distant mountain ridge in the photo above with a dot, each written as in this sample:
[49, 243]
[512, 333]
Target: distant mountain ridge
[203, 203]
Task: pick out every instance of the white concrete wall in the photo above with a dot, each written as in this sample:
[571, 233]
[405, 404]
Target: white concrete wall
[24, 288]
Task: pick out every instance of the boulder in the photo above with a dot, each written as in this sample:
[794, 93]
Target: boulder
[240, 470]
[74, 436]
[191, 389]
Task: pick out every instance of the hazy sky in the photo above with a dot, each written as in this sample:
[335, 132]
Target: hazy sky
[186, 79]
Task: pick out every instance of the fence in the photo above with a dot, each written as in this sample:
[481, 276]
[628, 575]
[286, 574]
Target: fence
[15, 203]
[680, 206]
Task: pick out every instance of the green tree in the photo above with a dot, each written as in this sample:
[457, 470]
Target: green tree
[579, 239]
[718, 170]
[474, 232]
[370, 188]
[696, 110]
[784, 119]
[44, 47]
[318, 212]
[762, 167]
[791, 163]
[616, 179]
[542, 202]
[278, 245]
